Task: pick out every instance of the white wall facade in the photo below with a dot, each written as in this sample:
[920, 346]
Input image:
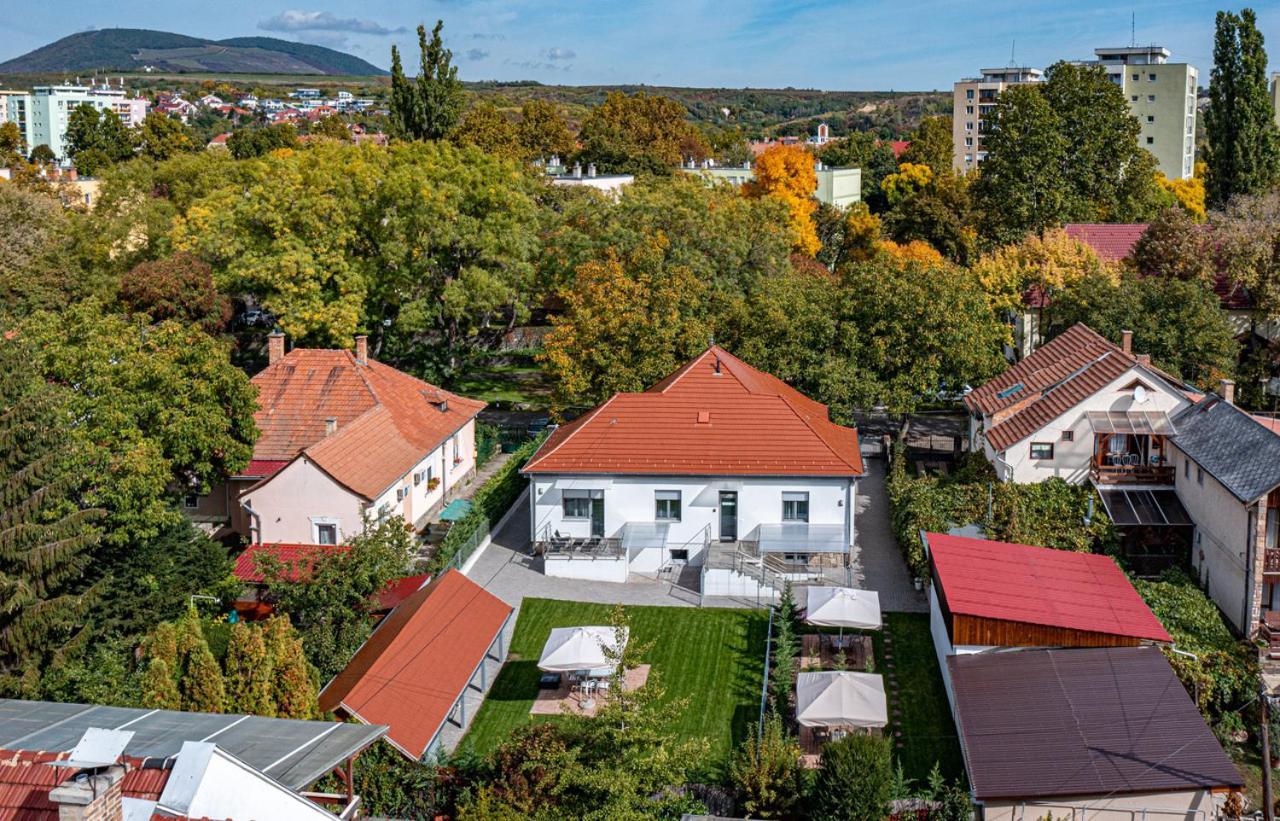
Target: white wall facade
[411, 495]
[1220, 546]
[292, 502]
[1185, 805]
[633, 499]
[1071, 458]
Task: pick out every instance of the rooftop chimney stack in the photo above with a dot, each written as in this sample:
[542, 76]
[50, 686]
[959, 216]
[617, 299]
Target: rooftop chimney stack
[275, 347]
[91, 795]
[362, 349]
[330, 426]
[1126, 341]
[1229, 391]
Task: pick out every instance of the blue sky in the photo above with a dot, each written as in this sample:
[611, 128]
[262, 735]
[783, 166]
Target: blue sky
[829, 44]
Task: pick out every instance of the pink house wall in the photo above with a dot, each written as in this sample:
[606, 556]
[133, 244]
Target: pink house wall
[297, 496]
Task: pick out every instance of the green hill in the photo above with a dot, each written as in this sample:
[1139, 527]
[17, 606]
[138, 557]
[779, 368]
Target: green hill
[134, 49]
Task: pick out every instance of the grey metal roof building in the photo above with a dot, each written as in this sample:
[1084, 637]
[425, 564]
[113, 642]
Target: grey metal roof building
[1232, 446]
[1039, 724]
[294, 753]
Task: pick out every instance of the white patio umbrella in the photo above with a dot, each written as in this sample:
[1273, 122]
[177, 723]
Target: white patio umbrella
[834, 698]
[843, 607]
[580, 648]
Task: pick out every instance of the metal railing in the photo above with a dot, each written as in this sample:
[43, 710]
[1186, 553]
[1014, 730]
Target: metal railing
[1132, 474]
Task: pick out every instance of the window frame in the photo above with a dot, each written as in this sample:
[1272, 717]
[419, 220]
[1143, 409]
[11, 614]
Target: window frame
[1033, 448]
[575, 496]
[797, 514]
[667, 506]
[320, 527]
[1068, 436]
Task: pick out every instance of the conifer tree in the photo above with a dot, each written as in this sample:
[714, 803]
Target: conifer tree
[1244, 142]
[46, 536]
[202, 688]
[159, 692]
[293, 687]
[162, 645]
[248, 672]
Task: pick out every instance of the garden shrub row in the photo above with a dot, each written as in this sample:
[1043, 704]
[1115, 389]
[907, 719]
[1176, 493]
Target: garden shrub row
[493, 499]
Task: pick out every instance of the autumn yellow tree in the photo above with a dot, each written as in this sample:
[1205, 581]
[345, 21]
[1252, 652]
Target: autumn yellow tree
[917, 250]
[786, 172]
[1189, 193]
[909, 179]
[1051, 263]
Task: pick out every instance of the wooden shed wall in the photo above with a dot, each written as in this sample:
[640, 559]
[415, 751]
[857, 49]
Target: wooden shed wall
[995, 632]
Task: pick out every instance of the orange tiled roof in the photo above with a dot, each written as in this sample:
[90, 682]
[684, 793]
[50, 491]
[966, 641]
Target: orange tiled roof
[1054, 378]
[387, 420]
[740, 421]
[1111, 241]
[419, 660]
[26, 780]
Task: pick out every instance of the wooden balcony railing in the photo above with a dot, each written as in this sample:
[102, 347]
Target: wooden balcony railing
[1132, 474]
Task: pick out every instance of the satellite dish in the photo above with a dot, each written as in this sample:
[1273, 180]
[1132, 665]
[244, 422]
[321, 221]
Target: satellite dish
[1139, 395]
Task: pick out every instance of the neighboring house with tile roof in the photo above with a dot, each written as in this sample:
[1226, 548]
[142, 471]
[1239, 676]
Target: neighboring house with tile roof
[344, 437]
[1079, 408]
[1228, 478]
[427, 667]
[719, 466]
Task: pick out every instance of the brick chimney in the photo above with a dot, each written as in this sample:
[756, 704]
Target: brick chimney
[1228, 387]
[275, 347]
[362, 349]
[1126, 341]
[91, 796]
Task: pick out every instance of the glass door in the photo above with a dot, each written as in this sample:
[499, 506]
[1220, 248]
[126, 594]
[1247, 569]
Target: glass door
[728, 515]
[597, 515]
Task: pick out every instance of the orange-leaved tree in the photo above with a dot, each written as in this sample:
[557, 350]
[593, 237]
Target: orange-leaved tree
[786, 172]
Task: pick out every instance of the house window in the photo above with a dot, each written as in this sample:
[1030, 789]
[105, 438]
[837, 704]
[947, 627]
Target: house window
[326, 533]
[680, 554]
[795, 507]
[577, 504]
[1151, 140]
[1151, 78]
[968, 142]
[666, 505]
[968, 93]
[1137, 77]
[191, 500]
[457, 456]
[1068, 436]
[1041, 450]
[1151, 98]
[1186, 468]
[1134, 98]
[968, 110]
[1199, 475]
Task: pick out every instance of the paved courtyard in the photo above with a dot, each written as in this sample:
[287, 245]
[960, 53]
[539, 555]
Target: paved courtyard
[508, 571]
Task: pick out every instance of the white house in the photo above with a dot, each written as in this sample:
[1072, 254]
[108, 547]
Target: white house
[343, 437]
[1079, 408]
[719, 466]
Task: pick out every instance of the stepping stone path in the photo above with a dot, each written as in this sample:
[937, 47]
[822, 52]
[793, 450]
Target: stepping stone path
[890, 674]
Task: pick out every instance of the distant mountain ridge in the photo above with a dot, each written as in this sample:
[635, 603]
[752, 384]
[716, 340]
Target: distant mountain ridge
[133, 49]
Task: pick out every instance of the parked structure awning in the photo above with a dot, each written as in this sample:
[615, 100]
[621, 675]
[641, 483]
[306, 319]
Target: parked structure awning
[801, 537]
[1144, 507]
[1138, 422]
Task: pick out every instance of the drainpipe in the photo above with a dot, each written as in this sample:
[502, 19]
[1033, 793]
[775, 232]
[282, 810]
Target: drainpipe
[253, 518]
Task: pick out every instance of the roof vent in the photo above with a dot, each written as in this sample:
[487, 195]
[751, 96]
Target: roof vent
[717, 366]
[443, 405]
[704, 417]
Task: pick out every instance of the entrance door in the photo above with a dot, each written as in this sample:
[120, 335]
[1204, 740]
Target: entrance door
[597, 515]
[728, 515]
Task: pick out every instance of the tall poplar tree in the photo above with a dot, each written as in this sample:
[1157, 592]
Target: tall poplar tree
[429, 107]
[1244, 143]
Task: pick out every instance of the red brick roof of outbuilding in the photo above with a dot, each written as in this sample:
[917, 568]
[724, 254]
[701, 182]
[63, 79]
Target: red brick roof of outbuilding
[738, 421]
[297, 560]
[26, 780]
[387, 421]
[1112, 242]
[1054, 378]
[1040, 585]
[420, 659]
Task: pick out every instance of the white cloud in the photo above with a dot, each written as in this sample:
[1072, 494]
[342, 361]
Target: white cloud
[557, 53]
[477, 54]
[295, 20]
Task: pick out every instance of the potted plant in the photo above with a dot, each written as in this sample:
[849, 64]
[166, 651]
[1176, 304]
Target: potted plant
[433, 483]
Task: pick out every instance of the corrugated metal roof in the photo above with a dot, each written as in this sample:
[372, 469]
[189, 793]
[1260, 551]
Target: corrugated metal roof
[1038, 724]
[1039, 585]
[715, 416]
[1232, 446]
[295, 753]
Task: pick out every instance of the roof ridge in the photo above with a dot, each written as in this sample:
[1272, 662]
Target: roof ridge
[669, 381]
[581, 422]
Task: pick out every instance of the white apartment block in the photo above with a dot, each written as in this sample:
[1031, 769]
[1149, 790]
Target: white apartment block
[42, 115]
[1161, 96]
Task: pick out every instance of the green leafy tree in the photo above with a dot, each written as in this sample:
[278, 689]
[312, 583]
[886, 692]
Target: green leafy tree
[543, 131]
[95, 139]
[42, 155]
[765, 773]
[160, 409]
[248, 672]
[332, 608]
[931, 145]
[1244, 143]
[1175, 245]
[13, 146]
[1247, 234]
[485, 127]
[854, 779]
[47, 532]
[180, 287]
[161, 137]
[428, 108]
[247, 143]
[865, 151]
[639, 133]
[333, 127]
[159, 691]
[941, 214]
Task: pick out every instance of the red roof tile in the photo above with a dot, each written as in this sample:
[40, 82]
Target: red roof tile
[415, 665]
[298, 559]
[263, 468]
[1040, 585]
[26, 780]
[397, 590]
[1112, 242]
[1054, 378]
[387, 420]
[757, 425]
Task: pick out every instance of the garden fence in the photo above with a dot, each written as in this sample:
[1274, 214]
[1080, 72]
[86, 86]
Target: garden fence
[764, 686]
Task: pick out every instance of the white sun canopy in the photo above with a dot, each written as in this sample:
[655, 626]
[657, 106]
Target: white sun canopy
[843, 607]
[579, 648]
[834, 698]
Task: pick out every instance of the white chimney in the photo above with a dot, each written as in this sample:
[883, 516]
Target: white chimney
[330, 426]
[591, 169]
[1228, 391]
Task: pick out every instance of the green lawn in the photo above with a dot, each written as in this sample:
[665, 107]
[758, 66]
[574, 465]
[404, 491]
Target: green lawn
[712, 656]
[523, 384]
